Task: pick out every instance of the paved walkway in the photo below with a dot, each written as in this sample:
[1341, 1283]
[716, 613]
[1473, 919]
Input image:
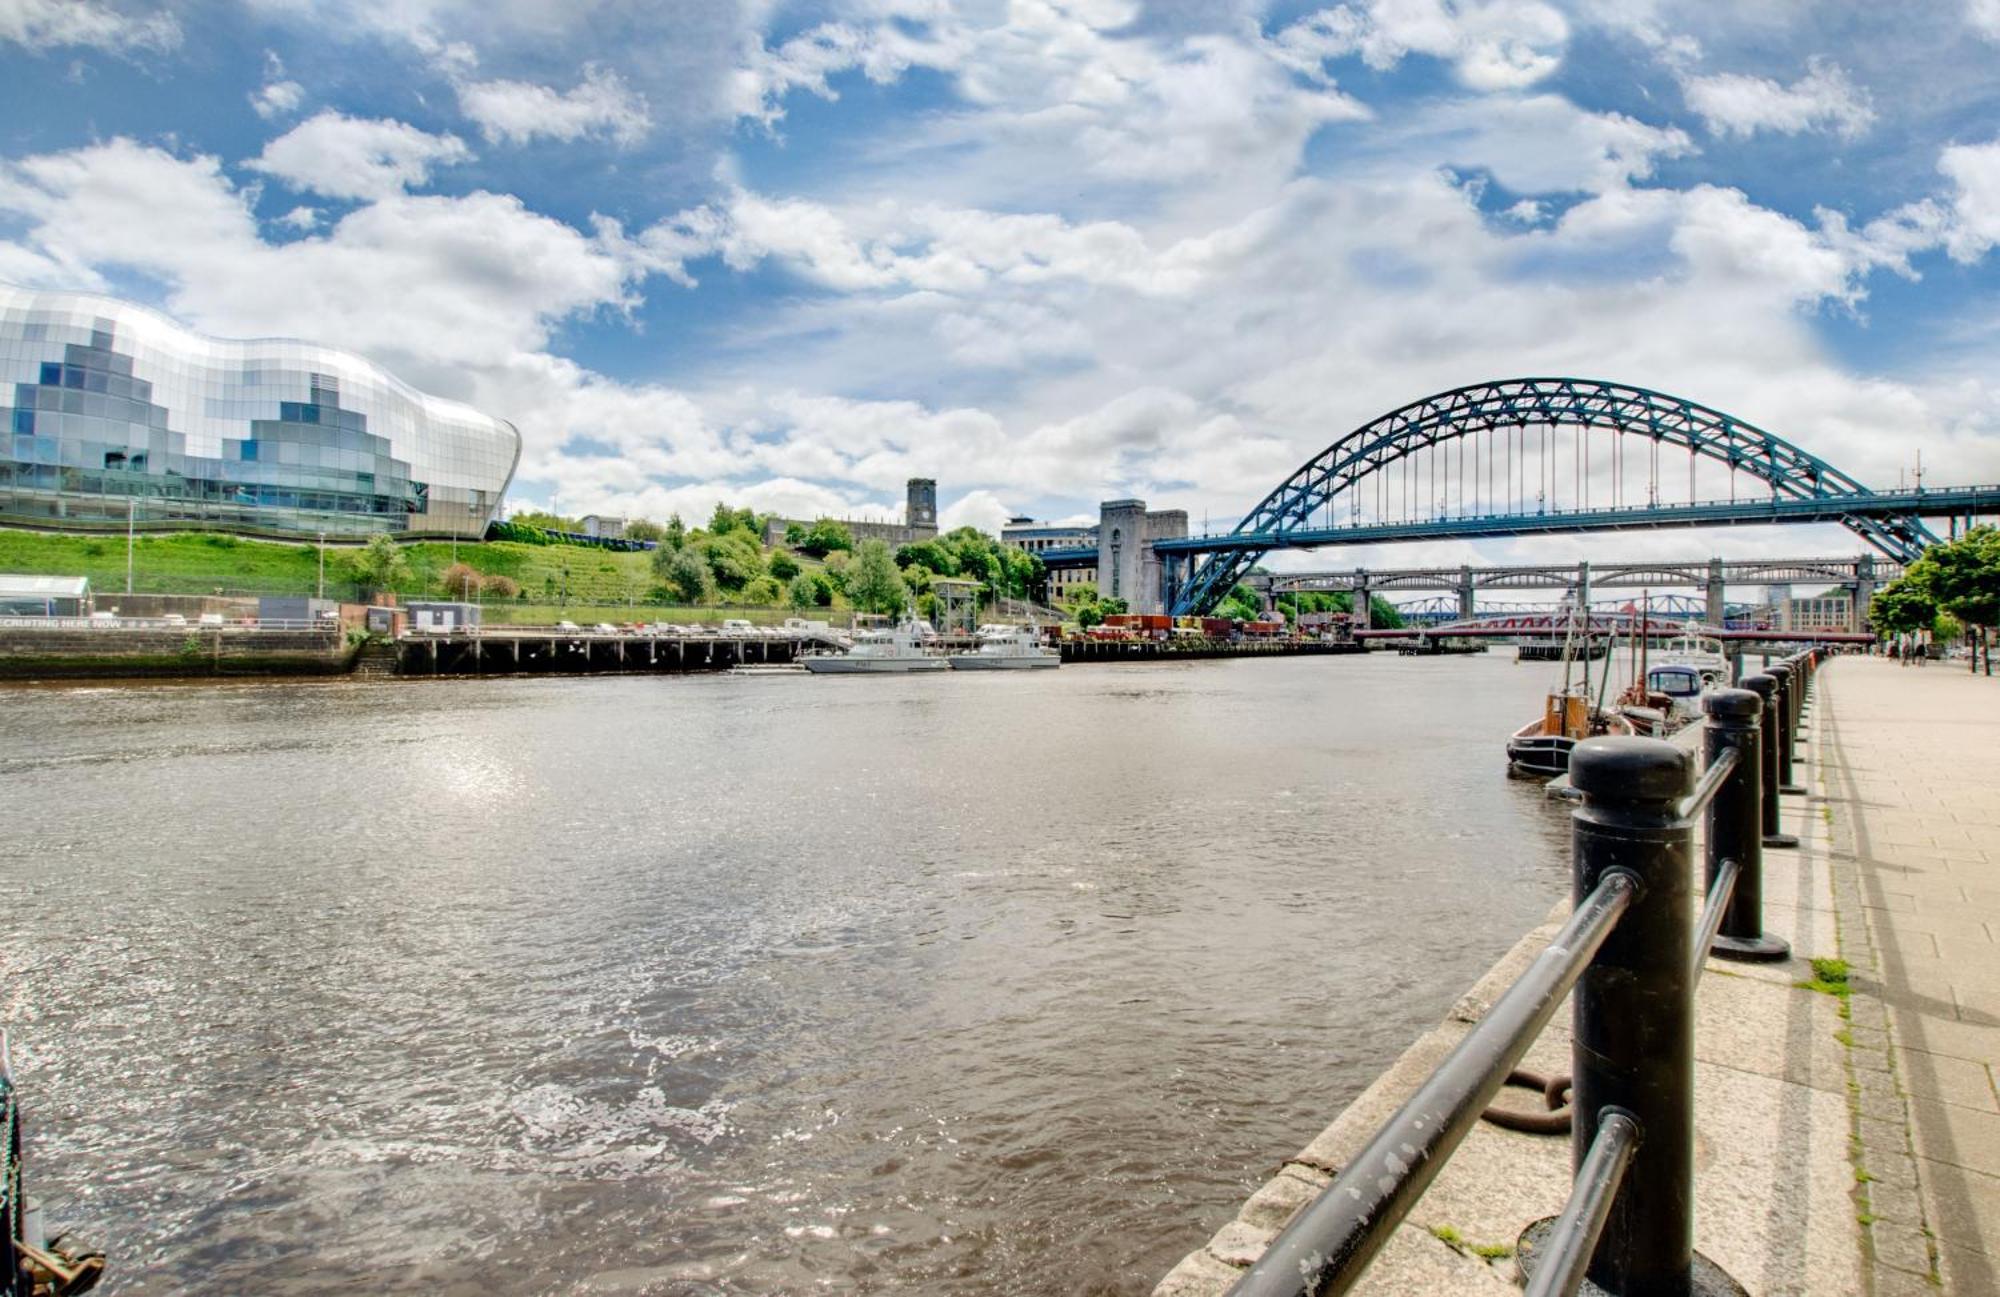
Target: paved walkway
[1908, 760]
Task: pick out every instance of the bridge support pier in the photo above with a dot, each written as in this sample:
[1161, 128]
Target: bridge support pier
[1864, 590]
[1467, 598]
[1361, 597]
[1718, 606]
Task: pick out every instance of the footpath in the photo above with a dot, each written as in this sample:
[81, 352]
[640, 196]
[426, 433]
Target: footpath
[1847, 1131]
[1908, 760]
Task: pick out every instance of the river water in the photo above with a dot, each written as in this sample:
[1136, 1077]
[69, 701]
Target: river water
[972, 984]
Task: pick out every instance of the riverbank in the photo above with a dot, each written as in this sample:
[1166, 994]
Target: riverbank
[190, 652]
[1779, 1202]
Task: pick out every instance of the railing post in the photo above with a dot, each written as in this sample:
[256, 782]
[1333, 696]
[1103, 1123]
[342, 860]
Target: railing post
[1634, 1007]
[1734, 825]
[1765, 686]
[1783, 673]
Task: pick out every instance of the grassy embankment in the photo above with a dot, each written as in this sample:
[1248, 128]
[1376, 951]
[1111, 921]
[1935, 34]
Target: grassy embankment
[600, 585]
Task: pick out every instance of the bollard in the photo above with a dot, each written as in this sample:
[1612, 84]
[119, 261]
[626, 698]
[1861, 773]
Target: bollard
[1734, 826]
[1765, 686]
[1787, 692]
[1634, 1011]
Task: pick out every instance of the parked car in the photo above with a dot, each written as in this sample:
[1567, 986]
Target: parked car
[174, 619]
[568, 625]
[211, 619]
[604, 628]
[738, 626]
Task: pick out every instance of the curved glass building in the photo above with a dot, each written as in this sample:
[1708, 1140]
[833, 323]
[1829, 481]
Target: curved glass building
[107, 407]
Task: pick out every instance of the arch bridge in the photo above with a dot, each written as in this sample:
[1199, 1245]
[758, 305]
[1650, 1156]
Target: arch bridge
[1523, 456]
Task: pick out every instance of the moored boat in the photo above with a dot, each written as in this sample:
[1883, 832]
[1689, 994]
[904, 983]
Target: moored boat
[1543, 745]
[1692, 649]
[1006, 648]
[879, 652]
[31, 1265]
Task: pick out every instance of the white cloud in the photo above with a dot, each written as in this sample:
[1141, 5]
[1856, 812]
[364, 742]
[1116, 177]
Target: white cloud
[1734, 104]
[1491, 44]
[300, 218]
[277, 99]
[359, 158]
[1055, 80]
[441, 285]
[1984, 15]
[49, 24]
[519, 111]
[981, 509]
[1974, 170]
[1535, 143]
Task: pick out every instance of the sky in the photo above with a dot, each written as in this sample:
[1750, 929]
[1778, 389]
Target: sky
[1048, 252]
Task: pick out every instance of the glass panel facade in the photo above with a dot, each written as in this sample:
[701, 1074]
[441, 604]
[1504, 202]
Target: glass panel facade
[106, 406]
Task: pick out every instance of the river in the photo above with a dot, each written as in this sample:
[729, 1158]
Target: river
[974, 984]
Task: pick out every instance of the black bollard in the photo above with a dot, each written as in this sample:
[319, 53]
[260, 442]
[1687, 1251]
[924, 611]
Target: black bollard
[1783, 673]
[1733, 827]
[1765, 686]
[1634, 1008]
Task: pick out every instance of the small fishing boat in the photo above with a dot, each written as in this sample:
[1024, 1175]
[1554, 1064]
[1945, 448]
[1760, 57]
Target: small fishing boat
[1005, 648]
[1543, 745]
[880, 652]
[1570, 716]
[30, 1264]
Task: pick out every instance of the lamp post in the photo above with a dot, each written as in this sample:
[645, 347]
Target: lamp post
[131, 507]
[322, 566]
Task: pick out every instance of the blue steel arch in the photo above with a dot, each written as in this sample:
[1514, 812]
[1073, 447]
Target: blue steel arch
[1583, 403]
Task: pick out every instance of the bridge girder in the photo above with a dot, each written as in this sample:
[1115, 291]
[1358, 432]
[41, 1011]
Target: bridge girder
[1622, 576]
[1588, 404]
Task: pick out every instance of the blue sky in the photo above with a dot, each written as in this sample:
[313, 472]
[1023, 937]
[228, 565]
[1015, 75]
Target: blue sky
[1046, 251]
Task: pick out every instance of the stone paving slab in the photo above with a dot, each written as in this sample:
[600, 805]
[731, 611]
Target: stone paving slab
[1908, 760]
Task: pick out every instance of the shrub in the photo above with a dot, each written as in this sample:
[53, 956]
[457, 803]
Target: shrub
[500, 587]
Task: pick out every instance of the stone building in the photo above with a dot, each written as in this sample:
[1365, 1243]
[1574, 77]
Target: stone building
[1127, 567]
[1039, 538]
[919, 520]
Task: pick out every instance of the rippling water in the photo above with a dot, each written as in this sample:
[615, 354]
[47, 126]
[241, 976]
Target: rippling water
[962, 984]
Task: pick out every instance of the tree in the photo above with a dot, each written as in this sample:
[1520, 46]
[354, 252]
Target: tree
[873, 583]
[500, 587]
[725, 520]
[802, 593]
[930, 555]
[1904, 605]
[545, 520]
[734, 556]
[380, 565]
[684, 574]
[826, 536]
[460, 581]
[782, 565]
[641, 529]
[1962, 578]
[763, 592]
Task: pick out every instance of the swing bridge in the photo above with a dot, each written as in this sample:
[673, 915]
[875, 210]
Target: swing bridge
[1539, 456]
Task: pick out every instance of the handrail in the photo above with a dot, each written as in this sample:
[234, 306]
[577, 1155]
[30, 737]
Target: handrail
[1330, 1243]
[1720, 893]
[1631, 959]
[1711, 782]
[1573, 1237]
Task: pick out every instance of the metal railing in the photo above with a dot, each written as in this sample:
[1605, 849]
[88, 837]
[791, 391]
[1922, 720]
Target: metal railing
[1631, 952]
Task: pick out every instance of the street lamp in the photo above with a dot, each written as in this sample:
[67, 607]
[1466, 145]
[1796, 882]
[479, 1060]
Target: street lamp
[322, 566]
